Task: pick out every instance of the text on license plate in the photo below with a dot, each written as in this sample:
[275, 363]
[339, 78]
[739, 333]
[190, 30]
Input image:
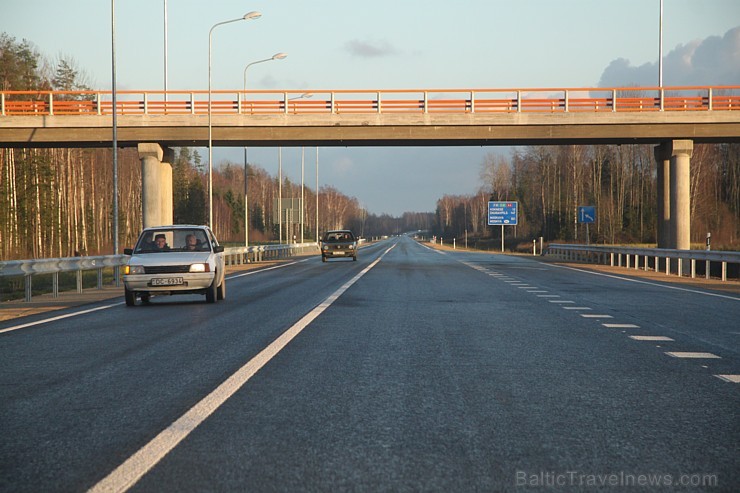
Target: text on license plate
[167, 281]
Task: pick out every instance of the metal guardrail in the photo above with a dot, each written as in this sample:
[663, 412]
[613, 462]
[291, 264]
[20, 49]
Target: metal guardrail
[454, 100]
[656, 259]
[54, 266]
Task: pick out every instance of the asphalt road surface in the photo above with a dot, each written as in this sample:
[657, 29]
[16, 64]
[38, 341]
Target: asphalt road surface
[408, 370]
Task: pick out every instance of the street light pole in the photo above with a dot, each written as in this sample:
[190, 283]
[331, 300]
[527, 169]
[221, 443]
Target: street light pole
[276, 56]
[115, 133]
[248, 16]
[660, 47]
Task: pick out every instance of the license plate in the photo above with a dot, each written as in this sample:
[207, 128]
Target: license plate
[338, 253]
[167, 281]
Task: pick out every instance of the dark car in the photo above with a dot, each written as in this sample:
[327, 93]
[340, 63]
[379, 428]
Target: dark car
[340, 243]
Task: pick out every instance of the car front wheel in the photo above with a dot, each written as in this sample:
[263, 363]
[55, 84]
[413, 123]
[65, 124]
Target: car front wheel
[212, 291]
[130, 297]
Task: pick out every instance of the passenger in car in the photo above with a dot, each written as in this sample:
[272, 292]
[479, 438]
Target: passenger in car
[191, 243]
[160, 243]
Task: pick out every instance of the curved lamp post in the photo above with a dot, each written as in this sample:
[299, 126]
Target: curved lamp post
[305, 95]
[246, 17]
[276, 56]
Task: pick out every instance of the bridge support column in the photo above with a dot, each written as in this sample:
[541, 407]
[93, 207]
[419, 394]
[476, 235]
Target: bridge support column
[663, 160]
[156, 186]
[674, 194]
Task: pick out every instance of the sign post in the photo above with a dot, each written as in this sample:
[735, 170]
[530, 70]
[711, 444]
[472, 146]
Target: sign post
[586, 215]
[503, 214]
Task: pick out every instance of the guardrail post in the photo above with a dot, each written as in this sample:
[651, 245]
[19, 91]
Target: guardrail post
[472, 101]
[79, 281]
[662, 98]
[285, 102]
[706, 269]
[2, 104]
[566, 100]
[614, 100]
[657, 263]
[710, 98]
[55, 285]
[51, 104]
[98, 101]
[192, 103]
[680, 267]
[645, 267]
[611, 259]
[724, 271]
[146, 103]
[693, 268]
[333, 104]
[378, 95]
[519, 101]
[426, 102]
[100, 278]
[627, 260]
[27, 286]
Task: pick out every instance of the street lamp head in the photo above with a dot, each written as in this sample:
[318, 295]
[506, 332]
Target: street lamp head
[279, 56]
[252, 15]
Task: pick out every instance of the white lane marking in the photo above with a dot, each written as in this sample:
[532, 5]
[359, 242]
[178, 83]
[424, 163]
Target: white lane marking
[560, 301]
[59, 317]
[729, 378]
[621, 326]
[679, 354]
[576, 308]
[548, 296]
[538, 291]
[651, 338]
[648, 283]
[251, 272]
[593, 315]
[135, 467]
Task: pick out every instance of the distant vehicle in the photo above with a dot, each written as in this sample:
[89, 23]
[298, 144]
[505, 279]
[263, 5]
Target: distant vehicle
[338, 243]
[170, 260]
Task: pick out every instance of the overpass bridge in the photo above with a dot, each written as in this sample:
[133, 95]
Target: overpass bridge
[673, 118]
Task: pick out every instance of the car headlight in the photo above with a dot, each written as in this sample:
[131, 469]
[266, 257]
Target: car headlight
[351, 247]
[200, 268]
[133, 269]
[325, 247]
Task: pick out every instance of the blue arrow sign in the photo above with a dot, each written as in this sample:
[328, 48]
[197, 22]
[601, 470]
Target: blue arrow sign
[502, 213]
[586, 214]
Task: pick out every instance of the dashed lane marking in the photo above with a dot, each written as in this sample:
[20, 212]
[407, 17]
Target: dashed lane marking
[576, 308]
[548, 296]
[651, 338]
[593, 315]
[560, 301]
[621, 326]
[690, 355]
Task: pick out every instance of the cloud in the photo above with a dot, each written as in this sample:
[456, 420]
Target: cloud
[712, 61]
[369, 49]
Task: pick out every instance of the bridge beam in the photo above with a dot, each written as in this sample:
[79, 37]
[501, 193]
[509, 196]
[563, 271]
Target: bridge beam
[674, 194]
[156, 185]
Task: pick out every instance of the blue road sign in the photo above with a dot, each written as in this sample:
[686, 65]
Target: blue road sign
[586, 214]
[502, 213]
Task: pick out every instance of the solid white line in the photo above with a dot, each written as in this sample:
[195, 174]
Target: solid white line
[135, 467]
[729, 378]
[648, 283]
[257, 271]
[60, 317]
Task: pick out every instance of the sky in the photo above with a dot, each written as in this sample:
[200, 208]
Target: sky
[383, 44]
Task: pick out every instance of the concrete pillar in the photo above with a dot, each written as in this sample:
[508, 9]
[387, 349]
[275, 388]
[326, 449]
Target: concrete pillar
[155, 184]
[681, 151]
[166, 183]
[663, 160]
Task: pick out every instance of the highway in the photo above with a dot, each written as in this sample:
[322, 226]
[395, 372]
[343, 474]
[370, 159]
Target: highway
[411, 369]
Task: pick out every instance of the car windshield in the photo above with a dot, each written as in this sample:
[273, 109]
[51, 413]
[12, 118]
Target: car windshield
[338, 236]
[173, 240]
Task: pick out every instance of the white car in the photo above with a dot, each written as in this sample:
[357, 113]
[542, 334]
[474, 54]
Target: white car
[170, 260]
